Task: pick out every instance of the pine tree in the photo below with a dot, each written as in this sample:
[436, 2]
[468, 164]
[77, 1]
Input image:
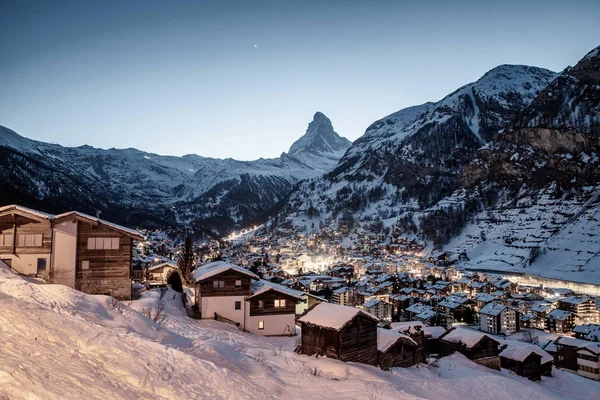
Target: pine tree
[186, 261]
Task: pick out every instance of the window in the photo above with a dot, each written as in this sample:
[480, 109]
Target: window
[85, 265]
[29, 240]
[6, 240]
[280, 303]
[41, 265]
[103, 243]
[238, 305]
[261, 304]
[261, 325]
[238, 284]
[218, 284]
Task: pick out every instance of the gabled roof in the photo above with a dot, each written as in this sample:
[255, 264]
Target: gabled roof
[261, 286]
[468, 337]
[38, 215]
[519, 351]
[386, 338]
[215, 268]
[97, 221]
[493, 309]
[558, 315]
[333, 316]
[162, 265]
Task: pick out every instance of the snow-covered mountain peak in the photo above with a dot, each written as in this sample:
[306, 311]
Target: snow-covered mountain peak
[320, 147]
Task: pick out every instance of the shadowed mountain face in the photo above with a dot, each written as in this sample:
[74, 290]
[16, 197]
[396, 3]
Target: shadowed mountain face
[138, 188]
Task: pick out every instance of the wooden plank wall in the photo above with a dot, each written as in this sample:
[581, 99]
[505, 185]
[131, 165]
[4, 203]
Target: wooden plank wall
[110, 270]
[26, 226]
[269, 304]
[358, 341]
[206, 287]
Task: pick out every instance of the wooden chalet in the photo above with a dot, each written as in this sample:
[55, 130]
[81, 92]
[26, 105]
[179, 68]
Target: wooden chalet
[73, 249]
[477, 347]
[526, 360]
[395, 349]
[340, 332]
[221, 289]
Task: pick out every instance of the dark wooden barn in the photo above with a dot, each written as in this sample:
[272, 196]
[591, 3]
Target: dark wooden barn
[340, 332]
[528, 361]
[476, 346]
[395, 349]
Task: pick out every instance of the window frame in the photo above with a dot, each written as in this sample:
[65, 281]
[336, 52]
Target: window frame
[261, 325]
[238, 286]
[279, 303]
[237, 305]
[218, 284]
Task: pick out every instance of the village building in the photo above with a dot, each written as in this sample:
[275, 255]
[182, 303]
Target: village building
[584, 308]
[526, 360]
[160, 273]
[379, 308]
[73, 249]
[588, 332]
[395, 349]
[477, 347]
[271, 309]
[340, 332]
[560, 321]
[499, 318]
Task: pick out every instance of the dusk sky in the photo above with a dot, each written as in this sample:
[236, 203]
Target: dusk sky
[243, 79]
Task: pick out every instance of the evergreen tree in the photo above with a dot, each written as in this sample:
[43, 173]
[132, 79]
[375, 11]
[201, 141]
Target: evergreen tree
[186, 261]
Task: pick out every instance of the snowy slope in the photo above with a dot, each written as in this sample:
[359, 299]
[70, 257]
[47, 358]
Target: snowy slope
[70, 353]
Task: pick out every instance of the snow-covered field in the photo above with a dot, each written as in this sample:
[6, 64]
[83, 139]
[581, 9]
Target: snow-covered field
[60, 343]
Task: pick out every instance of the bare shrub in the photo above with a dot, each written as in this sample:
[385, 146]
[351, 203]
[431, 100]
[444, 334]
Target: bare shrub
[260, 357]
[87, 283]
[155, 312]
[111, 302]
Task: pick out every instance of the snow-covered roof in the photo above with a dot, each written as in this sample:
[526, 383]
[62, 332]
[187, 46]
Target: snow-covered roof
[262, 286]
[214, 268]
[574, 299]
[50, 217]
[467, 337]
[332, 316]
[386, 338]
[592, 347]
[492, 309]
[558, 315]
[35, 213]
[586, 328]
[371, 303]
[519, 351]
[162, 265]
[130, 232]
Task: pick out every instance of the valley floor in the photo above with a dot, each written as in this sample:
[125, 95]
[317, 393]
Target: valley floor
[60, 343]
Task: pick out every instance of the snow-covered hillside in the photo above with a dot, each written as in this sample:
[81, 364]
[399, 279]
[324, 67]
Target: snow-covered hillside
[58, 343]
[185, 189]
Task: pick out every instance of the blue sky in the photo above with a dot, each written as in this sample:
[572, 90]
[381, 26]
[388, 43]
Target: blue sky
[243, 79]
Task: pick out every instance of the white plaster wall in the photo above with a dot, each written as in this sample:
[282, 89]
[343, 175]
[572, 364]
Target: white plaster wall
[26, 264]
[224, 306]
[64, 252]
[274, 324]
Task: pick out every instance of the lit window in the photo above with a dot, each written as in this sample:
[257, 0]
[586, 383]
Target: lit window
[280, 303]
[261, 325]
[261, 304]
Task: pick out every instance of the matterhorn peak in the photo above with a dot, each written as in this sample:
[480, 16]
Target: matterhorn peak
[320, 140]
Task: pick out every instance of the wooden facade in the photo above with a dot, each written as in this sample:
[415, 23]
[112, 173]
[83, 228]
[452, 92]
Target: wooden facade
[485, 351]
[356, 341]
[402, 354]
[25, 241]
[107, 271]
[205, 286]
[530, 368]
[56, 247]
[264, 304]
